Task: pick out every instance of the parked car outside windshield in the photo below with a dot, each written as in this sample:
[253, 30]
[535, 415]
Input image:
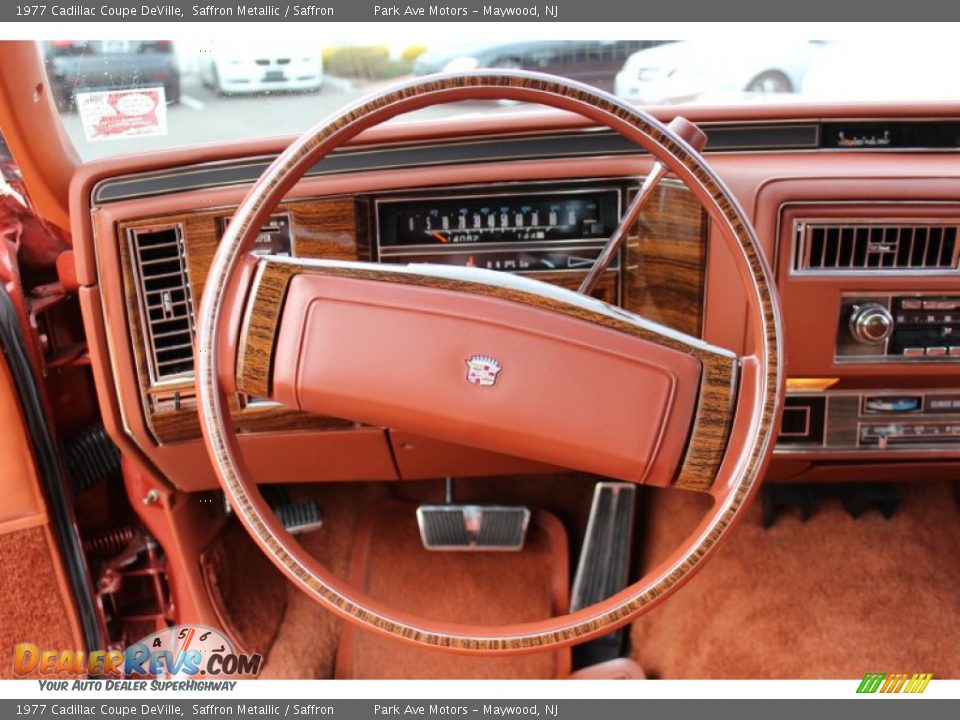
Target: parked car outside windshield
[594, 62]
[74, 66]
[239, 67]
[708, 71]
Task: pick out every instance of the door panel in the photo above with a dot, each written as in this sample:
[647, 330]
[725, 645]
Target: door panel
[35, 602]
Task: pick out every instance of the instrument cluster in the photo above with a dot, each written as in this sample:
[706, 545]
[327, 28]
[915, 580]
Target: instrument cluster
[538, 230]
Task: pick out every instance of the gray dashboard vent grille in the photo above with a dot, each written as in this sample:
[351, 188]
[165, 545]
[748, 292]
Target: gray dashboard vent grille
[876, 246]
[165, 302]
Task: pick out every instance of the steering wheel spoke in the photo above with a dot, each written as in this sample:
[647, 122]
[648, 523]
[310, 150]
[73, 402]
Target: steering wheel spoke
[490, 360]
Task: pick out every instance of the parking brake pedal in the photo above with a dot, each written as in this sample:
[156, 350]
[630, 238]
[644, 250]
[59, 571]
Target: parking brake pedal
[296, 517]
[299, 517]
[604, 566]
[473, 527]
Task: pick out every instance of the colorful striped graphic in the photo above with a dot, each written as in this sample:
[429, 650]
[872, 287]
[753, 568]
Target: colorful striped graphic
[894, 682]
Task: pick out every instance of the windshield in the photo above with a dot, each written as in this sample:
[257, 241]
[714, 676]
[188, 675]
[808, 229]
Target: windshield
[124, 96]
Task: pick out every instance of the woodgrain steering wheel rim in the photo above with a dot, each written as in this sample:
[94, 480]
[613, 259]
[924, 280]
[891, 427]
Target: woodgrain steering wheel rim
[758, 396]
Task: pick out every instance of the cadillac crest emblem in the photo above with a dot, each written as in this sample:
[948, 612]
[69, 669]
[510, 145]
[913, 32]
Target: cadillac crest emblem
[482, 370]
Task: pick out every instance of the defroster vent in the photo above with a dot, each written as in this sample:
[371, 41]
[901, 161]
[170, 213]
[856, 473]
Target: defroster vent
[876, 246]
[164, 293]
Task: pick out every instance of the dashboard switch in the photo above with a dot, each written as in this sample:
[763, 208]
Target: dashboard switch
[913, 352]
[871, 323]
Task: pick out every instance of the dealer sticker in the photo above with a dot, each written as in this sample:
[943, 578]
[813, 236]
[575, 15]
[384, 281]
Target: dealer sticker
[117, 114]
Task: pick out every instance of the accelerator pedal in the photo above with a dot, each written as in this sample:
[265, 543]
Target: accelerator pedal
[473, 527]
[604, 565]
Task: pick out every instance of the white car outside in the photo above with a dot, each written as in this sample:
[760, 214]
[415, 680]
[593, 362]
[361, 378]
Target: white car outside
[261, 67]
[694, 71]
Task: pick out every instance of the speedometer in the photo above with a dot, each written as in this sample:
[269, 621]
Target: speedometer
[523, 218]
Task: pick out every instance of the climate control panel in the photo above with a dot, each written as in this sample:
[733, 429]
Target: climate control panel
[899, 328]
[871, 421]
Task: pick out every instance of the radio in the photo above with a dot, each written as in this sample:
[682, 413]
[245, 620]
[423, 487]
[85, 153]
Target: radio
[899, 328]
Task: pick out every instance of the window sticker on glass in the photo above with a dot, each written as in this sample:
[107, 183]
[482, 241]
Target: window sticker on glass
[115, 114]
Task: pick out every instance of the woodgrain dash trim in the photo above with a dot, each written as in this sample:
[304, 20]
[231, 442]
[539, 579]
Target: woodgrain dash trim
[665, 260]
[322, 227]
[711, 427]
[259, 335]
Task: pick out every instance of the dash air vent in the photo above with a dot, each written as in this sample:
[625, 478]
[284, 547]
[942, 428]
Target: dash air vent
[165, 302]
[876, 246]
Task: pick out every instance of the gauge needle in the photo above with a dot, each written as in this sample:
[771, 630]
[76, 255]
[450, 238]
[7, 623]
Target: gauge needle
[440, 236]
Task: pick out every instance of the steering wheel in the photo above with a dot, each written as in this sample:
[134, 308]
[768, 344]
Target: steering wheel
[577, 383]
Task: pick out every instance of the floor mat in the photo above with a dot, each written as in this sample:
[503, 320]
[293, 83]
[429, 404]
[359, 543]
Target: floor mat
[830, 598]
[30, 596]
[231, 565]
[486, 588]
[306, 641]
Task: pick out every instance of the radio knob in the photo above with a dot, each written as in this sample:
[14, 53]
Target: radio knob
[871, 323]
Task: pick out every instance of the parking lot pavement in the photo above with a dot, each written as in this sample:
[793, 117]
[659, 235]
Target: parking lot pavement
[203, 116]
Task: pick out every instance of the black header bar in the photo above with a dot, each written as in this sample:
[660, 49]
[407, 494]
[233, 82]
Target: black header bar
[553, 11]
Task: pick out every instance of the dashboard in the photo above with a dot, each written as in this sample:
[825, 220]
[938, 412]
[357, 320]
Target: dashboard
[858, 223]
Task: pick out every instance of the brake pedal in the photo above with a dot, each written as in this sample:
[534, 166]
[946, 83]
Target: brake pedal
[473, 527]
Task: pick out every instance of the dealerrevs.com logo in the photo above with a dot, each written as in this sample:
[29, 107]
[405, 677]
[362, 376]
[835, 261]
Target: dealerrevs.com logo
[181, 651]
[889, 683]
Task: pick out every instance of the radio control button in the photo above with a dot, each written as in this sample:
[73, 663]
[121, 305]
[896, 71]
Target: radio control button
[954, 350]
[949, 404]
[913, 352]
[941, 304]
[936, 351]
